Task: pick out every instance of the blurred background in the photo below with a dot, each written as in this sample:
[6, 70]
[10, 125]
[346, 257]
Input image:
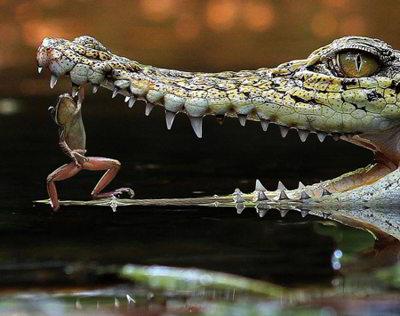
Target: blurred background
[186, 34]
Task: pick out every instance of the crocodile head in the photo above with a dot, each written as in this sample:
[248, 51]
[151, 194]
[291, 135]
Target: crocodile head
[348, 89]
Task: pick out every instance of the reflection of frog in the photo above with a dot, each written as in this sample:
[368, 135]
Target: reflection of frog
[67, 115]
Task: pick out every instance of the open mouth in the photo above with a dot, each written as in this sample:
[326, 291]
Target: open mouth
[312, 96]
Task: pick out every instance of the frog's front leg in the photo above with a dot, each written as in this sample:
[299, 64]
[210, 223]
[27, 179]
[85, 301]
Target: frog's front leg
[112, 166]
[64, 172]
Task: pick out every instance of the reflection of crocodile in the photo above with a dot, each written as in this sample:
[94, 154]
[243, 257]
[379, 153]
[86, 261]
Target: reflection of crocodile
[349, 89]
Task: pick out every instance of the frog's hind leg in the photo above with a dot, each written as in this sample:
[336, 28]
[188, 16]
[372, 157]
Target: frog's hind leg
[112, 166]
[64, 172]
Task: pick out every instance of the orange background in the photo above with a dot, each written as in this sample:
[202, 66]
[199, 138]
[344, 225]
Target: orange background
[208, 35]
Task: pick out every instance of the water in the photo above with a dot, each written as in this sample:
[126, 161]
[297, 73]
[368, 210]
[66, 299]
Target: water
[294, 252]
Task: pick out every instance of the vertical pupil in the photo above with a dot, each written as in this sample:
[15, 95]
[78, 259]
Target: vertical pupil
[358, 62]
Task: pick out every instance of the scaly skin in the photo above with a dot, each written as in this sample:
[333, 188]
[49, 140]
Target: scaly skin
[314, 95]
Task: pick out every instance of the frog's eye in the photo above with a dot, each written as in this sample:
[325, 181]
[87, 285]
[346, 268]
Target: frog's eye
[357, 63]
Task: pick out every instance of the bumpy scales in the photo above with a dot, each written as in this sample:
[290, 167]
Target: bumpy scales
[348, 89]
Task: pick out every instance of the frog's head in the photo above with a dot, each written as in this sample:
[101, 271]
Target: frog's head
[63, 112]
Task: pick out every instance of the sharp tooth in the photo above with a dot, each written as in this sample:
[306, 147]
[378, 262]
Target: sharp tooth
[259, 186]
[127, 98]
[304, 195]
[115, 92]
[261, 196]
[283, 212]
[301, 185]
[132, 101]
[304, 213]
[303, 135]
[283, 195]
[53, 81]
[321, 136]
[325, 192]
[149, 107]
[169, 118]
[242, 119]
[39, 69]
[262, 212]
[197, 125]
[95, 88]
[264, 125]
[75, 90]
[284, 131]
[281, 186]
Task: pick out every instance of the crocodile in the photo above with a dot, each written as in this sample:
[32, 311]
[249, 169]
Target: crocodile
[348, 90]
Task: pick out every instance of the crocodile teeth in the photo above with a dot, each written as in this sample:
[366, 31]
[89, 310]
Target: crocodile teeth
[169, 119]
[127, 98]
[283, 212]
[281, 186]
[259, 186]
[304, 195]
[115, 92]
[304, 213]
[53, 81]
[242, 119]
[39, 69]
[262, 212]
[283, 195]
[303, 135]
[301, 185]
[197, 125]
[264, 125]
[321, 136]
[325, 192]
[148, 109]
[75, 90]
[261, 196]
[132, 101]
[95, 88]
[284, 131]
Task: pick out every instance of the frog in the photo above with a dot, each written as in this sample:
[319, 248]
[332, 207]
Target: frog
[67, 115]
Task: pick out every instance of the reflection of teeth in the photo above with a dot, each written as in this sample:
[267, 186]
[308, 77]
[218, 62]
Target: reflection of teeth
[53, 81]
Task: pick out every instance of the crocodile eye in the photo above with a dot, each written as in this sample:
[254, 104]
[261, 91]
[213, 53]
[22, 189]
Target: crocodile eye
[357, 63]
